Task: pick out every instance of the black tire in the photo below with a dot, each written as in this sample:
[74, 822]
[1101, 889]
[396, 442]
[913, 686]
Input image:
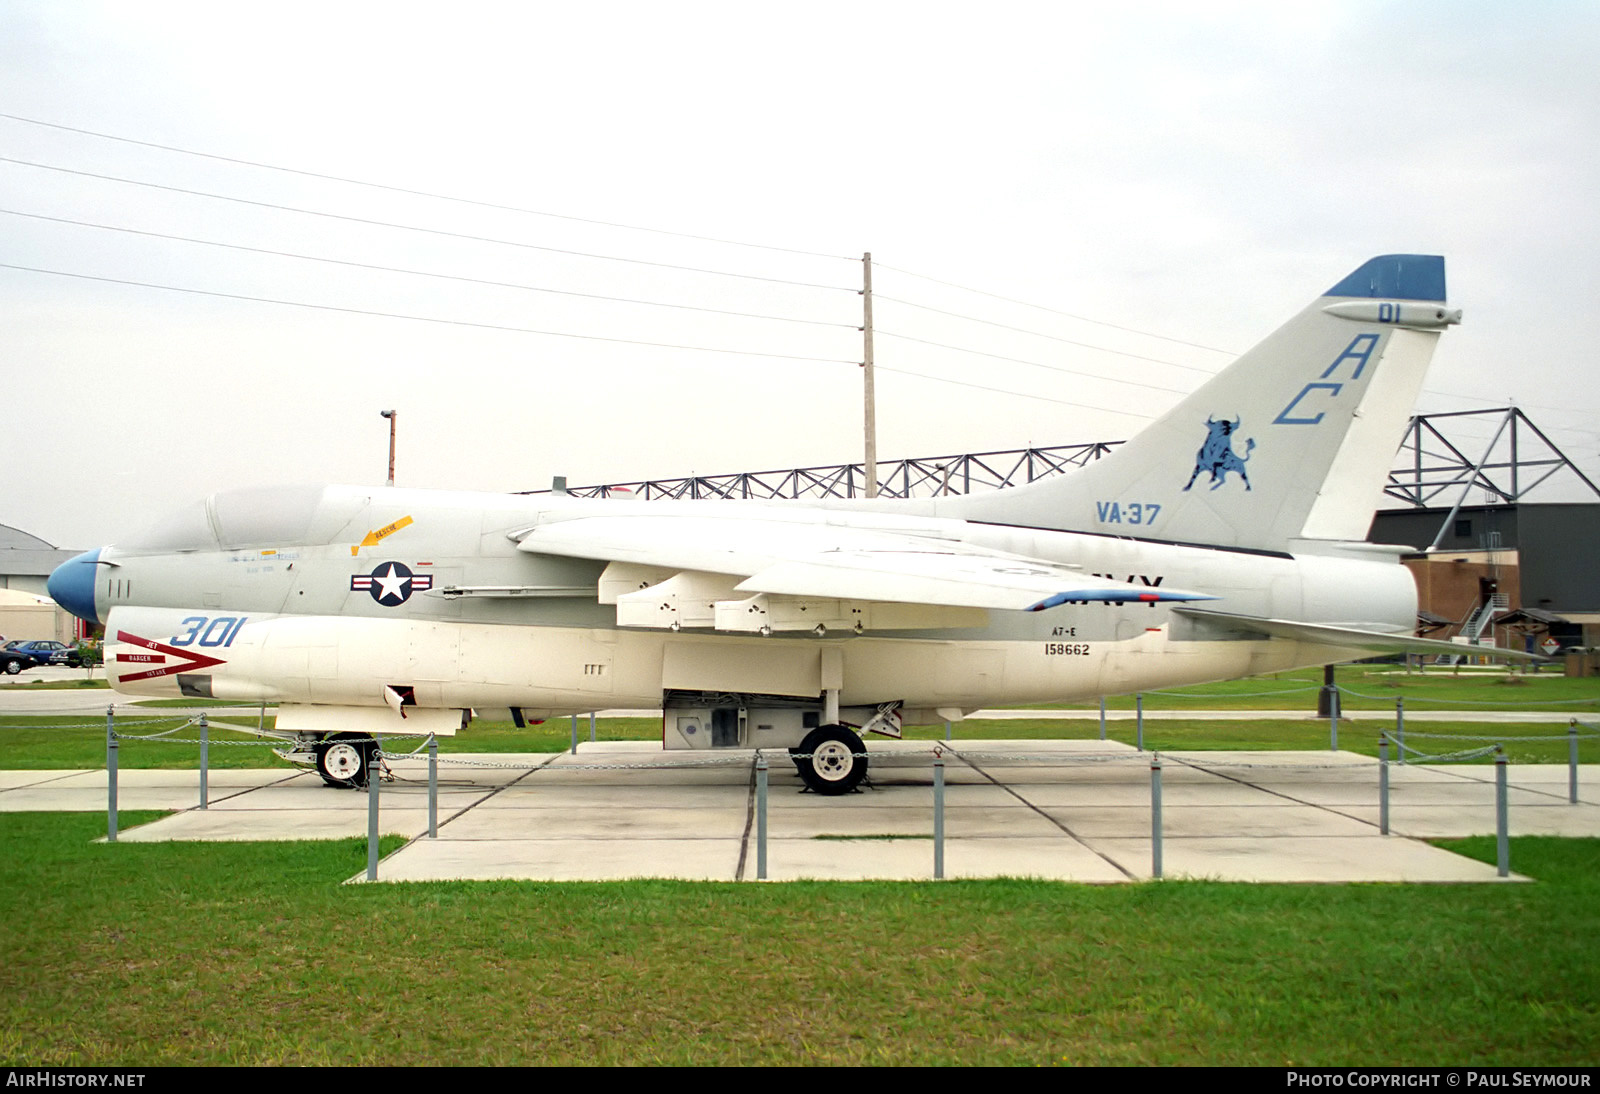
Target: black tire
[345, 760]
[13, 667]
[837, 762]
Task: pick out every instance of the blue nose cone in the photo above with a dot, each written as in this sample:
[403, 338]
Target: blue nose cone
[71, 585]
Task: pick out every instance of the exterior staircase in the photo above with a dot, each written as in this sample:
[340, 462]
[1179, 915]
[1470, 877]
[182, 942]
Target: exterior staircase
[1473, 626]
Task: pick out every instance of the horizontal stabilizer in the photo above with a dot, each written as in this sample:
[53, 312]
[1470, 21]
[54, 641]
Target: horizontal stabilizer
[1373, 643]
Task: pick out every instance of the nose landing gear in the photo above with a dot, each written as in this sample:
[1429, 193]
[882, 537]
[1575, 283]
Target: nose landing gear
[345, 759]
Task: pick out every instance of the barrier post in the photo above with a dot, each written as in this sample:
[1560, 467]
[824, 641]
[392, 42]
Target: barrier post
[1502, 842]
[1102, 717]
[1383, 784]
[1572, 762]
[947, 729]
[574, 734]
[1400, 728]
[433, 786]
[938, 815]
[373, 782]
[1138, 707]
[205, 758]
[761, 816]
[1155, 816]
[591, 727]
[111, 776]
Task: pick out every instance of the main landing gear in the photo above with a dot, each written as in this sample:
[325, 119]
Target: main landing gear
[831, 760]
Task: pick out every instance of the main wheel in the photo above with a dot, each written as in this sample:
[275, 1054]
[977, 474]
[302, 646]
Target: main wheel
[837, 761]
[345, 759]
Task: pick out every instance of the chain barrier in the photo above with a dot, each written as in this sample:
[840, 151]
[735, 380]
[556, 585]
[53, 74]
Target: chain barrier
[1464, 756]
[377, 759]
[1463, 704]
[1232, 694]
[97, 724]
[1502, 738]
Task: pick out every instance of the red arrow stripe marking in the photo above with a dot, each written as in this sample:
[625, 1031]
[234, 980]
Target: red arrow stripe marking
[191, 661]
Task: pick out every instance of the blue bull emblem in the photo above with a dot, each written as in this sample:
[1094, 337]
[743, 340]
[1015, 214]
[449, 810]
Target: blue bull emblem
[1217, 455]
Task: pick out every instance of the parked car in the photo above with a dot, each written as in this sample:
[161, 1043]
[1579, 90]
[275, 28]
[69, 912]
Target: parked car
[12, 662]
[26, 655]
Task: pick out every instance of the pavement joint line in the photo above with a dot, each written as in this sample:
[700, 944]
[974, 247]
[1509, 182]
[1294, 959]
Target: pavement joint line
[1460, 773]
[749, 820]
[66, 773]
[1277, 793]
[241, 791]
[1079, 840]
[461, 812]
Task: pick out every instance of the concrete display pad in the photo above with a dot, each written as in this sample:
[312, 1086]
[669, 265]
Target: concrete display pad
[1071, 810]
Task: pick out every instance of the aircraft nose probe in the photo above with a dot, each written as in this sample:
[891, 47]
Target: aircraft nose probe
[71, 584]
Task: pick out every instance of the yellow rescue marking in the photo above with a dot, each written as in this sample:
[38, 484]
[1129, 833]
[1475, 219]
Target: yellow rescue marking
[373, 537]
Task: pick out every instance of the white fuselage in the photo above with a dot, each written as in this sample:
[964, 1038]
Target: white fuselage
[303, 622]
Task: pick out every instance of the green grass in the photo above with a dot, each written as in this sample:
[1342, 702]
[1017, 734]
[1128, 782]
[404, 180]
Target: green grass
[29, 742]
[78, 741]
[883, 836]
[74, 741]
[1375, 687]
[1170, 735]
[149, 954]
[12, 683]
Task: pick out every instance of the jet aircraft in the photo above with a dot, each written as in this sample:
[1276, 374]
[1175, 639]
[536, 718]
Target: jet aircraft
[1226, 539]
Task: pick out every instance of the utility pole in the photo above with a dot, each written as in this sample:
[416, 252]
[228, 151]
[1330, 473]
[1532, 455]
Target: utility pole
[866, 377]
[393, 416]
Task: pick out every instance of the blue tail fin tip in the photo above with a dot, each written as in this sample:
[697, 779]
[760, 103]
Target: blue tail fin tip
[1395, 277]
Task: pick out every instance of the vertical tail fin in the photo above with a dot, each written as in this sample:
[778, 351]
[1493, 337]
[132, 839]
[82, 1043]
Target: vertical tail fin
[1292, 441]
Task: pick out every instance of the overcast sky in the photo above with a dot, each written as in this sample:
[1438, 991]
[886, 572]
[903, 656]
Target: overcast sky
[1190, 175]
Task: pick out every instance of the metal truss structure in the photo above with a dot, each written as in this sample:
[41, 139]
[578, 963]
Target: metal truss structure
[1518, 458]
[921, 477]
[1431, 461]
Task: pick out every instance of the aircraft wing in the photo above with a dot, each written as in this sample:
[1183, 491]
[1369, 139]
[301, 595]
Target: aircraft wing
[1369, 642]
[810, 558]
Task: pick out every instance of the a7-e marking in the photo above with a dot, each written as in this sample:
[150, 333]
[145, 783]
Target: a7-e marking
[211, 633]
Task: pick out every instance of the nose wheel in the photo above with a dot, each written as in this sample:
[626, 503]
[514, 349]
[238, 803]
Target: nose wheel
[832, 760]
[345, 759]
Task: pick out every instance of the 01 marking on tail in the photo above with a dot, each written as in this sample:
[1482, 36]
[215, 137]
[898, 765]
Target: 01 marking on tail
[802, 625]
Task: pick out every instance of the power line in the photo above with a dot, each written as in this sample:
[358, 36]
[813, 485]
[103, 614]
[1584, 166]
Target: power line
[423, 318]
[417, 228]
[558, 334]
[1514, 402]
[1032, 364]
[421, 193]
[1040, 334]
[1054, 311]
[424, 273]
[1020, 394]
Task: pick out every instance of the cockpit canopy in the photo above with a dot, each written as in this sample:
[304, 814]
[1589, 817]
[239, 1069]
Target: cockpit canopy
[266, 516]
